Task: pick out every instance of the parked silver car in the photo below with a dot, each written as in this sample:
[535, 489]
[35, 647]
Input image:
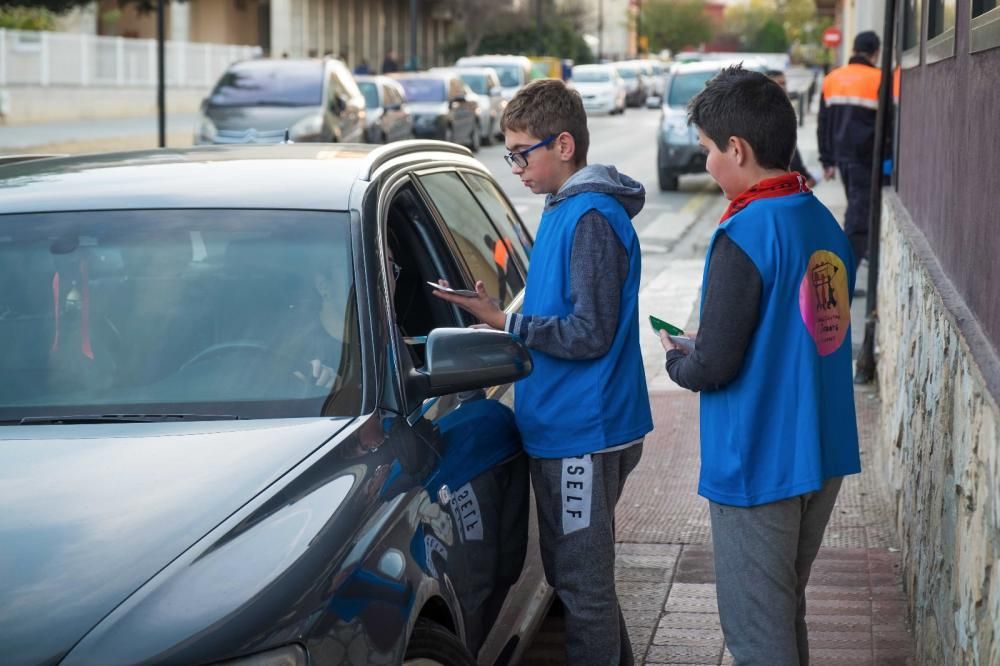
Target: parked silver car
[487, 92]
[441, 107]
[312, 99]
[388, 115]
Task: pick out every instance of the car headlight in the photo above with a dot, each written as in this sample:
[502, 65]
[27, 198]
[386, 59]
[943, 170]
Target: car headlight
[307, 127]
[206, 131]
[675, 127]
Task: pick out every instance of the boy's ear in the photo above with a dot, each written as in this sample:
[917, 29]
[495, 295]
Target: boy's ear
[742, 152]
[566, 145]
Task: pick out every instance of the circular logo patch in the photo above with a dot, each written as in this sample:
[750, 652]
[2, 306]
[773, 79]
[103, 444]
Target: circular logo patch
[824, 301]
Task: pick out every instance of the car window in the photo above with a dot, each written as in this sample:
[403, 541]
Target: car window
[590, 76]
[485, 250]
[477, 82]
[423, 90]
[270, 83]
[207, 312]
[503, 218]
[685, 86]
[370, 92]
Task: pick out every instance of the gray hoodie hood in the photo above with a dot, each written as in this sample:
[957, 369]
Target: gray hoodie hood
[602, 178]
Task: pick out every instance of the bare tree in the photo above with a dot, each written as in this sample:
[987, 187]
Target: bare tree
[477, 18]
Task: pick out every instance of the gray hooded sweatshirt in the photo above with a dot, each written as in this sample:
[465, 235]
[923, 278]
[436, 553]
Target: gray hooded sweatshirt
[598, 268]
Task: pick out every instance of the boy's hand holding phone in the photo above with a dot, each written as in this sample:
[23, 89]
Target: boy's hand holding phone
[479, 305]
[671, 337]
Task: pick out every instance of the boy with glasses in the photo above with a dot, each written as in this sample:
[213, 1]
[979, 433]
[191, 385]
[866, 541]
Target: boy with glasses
[584, 410]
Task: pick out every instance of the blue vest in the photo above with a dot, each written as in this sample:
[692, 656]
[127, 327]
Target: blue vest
[567, 408]
[787, 422]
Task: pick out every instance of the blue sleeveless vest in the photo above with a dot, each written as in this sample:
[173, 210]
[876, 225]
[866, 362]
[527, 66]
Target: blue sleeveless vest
[567, 408]
[787, 422]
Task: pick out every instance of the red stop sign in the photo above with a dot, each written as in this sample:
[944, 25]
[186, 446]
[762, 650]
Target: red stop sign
[832, 36]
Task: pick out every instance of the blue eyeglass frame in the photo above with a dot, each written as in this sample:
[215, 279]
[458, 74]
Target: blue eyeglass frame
[511, 157]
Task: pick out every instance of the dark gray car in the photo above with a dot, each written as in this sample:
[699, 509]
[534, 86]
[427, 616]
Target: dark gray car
[388, 115]
[237, 426]
[441, 108]
[314, 100]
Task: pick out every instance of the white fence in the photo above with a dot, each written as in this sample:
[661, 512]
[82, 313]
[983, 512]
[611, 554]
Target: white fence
[69, 59]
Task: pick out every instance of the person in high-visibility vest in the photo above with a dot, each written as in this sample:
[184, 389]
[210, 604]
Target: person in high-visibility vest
[846, 133]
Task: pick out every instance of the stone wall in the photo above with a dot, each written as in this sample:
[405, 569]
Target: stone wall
[939, 377]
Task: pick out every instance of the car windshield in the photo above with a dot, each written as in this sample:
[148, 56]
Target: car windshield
[234, 312]
[510, 75]
[591, 76]
[270, 83]
[423, 90]
[477, 82]
[685, 86]
[370, 91]
[628, 72]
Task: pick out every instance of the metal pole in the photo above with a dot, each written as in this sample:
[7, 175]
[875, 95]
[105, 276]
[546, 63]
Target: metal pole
[866, 360]
[538, 27]
[161, 96]
[413, 35]
[600, 30]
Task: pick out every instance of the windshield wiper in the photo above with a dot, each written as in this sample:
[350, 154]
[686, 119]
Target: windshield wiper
[122, 418]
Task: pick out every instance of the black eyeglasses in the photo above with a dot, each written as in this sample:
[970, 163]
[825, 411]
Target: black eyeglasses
[520, 158]
[396, 269]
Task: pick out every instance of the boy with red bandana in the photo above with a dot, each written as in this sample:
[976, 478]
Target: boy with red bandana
[772, 359]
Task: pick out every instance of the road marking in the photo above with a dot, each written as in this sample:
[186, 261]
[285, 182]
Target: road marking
[671, 296]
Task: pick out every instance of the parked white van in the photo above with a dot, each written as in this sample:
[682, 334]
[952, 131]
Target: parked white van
[514, 71]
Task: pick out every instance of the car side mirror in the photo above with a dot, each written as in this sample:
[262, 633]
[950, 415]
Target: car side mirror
[465, 359]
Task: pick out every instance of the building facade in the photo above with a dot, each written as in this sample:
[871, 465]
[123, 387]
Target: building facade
[938, 328]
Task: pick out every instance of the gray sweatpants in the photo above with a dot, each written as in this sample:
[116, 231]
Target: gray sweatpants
[576, 500]
[763, 556]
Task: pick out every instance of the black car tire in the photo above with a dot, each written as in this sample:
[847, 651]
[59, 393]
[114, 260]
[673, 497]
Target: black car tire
[669, 182]
[432, 643]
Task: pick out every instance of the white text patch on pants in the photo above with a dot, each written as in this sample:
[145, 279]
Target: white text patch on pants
[577, 487]
[465, 508]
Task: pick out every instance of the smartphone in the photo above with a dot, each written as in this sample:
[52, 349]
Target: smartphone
[458, 292]
[660, 325]
[687, 344]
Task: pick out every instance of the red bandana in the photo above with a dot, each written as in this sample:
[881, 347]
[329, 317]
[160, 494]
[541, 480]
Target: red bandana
[779, 186]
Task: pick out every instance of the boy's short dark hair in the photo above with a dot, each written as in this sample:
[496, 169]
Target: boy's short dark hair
[547, 108]
[749, 105]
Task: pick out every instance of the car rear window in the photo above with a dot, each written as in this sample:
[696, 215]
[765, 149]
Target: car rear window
[685, 86]
[423, 90]
[370, 91]
[477, 82]
[207, 312]
[270, 83]
[590, 76]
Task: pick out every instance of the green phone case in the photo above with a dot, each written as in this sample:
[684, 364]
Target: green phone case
[660, 325]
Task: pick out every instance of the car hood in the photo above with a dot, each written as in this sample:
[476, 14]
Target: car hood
[260, 118]
[90, 513]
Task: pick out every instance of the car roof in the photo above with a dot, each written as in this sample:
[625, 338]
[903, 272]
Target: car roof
[712, 65]
[283, 176]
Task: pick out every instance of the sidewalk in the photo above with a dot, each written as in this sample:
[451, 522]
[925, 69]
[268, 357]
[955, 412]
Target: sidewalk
[665, 573]
[104, 134]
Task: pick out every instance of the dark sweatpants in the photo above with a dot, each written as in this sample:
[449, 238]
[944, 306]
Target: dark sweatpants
[857, 178]
[576, 500]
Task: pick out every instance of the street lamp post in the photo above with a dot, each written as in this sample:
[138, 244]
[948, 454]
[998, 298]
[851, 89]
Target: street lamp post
[161, 95]
[413, 35]
[600, 30]
[538, 27]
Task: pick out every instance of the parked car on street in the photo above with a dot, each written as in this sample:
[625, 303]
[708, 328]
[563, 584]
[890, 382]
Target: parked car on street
[313, 99]
[600, 86]
[677, 149]
[515, 71]
[388, 116]
[442, 107]
[485, 85]
[238, 427]
[636, 89]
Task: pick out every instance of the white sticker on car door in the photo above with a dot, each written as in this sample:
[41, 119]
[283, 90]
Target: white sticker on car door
[465, 508]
